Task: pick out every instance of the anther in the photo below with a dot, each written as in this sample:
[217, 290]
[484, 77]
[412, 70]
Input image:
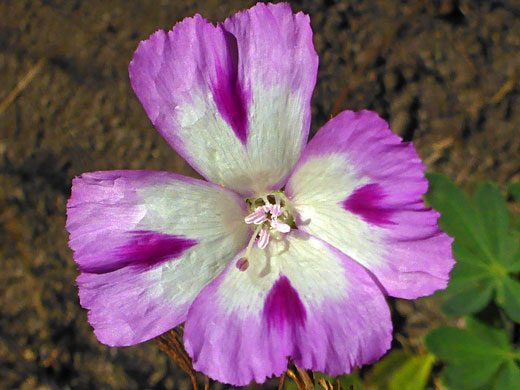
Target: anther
[263, 240]
[257, 217]
[280, 226]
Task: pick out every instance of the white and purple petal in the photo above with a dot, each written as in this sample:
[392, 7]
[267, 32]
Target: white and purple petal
[359, 187]
[146, 243]
[233, 100]
[298, 298]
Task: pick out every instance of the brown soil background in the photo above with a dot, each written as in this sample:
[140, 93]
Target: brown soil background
[444, 73]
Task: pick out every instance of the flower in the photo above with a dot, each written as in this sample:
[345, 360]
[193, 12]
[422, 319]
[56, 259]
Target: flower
[287, 250]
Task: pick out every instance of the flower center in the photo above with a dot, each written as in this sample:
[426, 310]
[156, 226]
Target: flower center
[271, 216]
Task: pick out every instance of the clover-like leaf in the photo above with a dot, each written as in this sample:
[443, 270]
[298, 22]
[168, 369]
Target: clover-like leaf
[476, 357]
[487, 251]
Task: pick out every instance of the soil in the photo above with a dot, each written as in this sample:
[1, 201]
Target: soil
[444, 73]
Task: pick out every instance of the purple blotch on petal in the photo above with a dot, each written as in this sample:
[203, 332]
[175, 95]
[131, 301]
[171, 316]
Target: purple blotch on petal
[230, 96]
[144, 249]
[283, 307]
[366, 201]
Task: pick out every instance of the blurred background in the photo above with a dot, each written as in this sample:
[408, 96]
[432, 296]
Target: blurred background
[443, 73]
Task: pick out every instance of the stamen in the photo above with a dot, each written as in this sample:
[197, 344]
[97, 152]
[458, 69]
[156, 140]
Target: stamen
[280, 226]
[257, 217]
[263, 240]
[269, 214]
[276, 210]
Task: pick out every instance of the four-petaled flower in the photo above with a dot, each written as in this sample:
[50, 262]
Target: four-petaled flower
[287, 250]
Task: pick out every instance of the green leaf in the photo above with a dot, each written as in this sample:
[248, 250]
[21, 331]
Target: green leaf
[512, 255]
[514, 190]
[401, 370]
[470, 299]
[465, 274]
[508, 377]
[458, 214]
[514, 264]
[496, 337]
[494, 214]
[487, 251]
[381, 371]
[473, 355]
[413, 374]
[470, 375]
[470, 257]
[511, 298]
[455, 345]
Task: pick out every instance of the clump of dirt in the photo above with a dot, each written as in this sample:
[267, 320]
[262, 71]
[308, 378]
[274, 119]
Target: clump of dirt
[444, 73]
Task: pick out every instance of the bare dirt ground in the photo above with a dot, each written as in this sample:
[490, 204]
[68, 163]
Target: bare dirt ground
[444, 73]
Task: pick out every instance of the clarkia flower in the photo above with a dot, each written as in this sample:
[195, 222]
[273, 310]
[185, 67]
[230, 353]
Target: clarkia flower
[288, 250]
